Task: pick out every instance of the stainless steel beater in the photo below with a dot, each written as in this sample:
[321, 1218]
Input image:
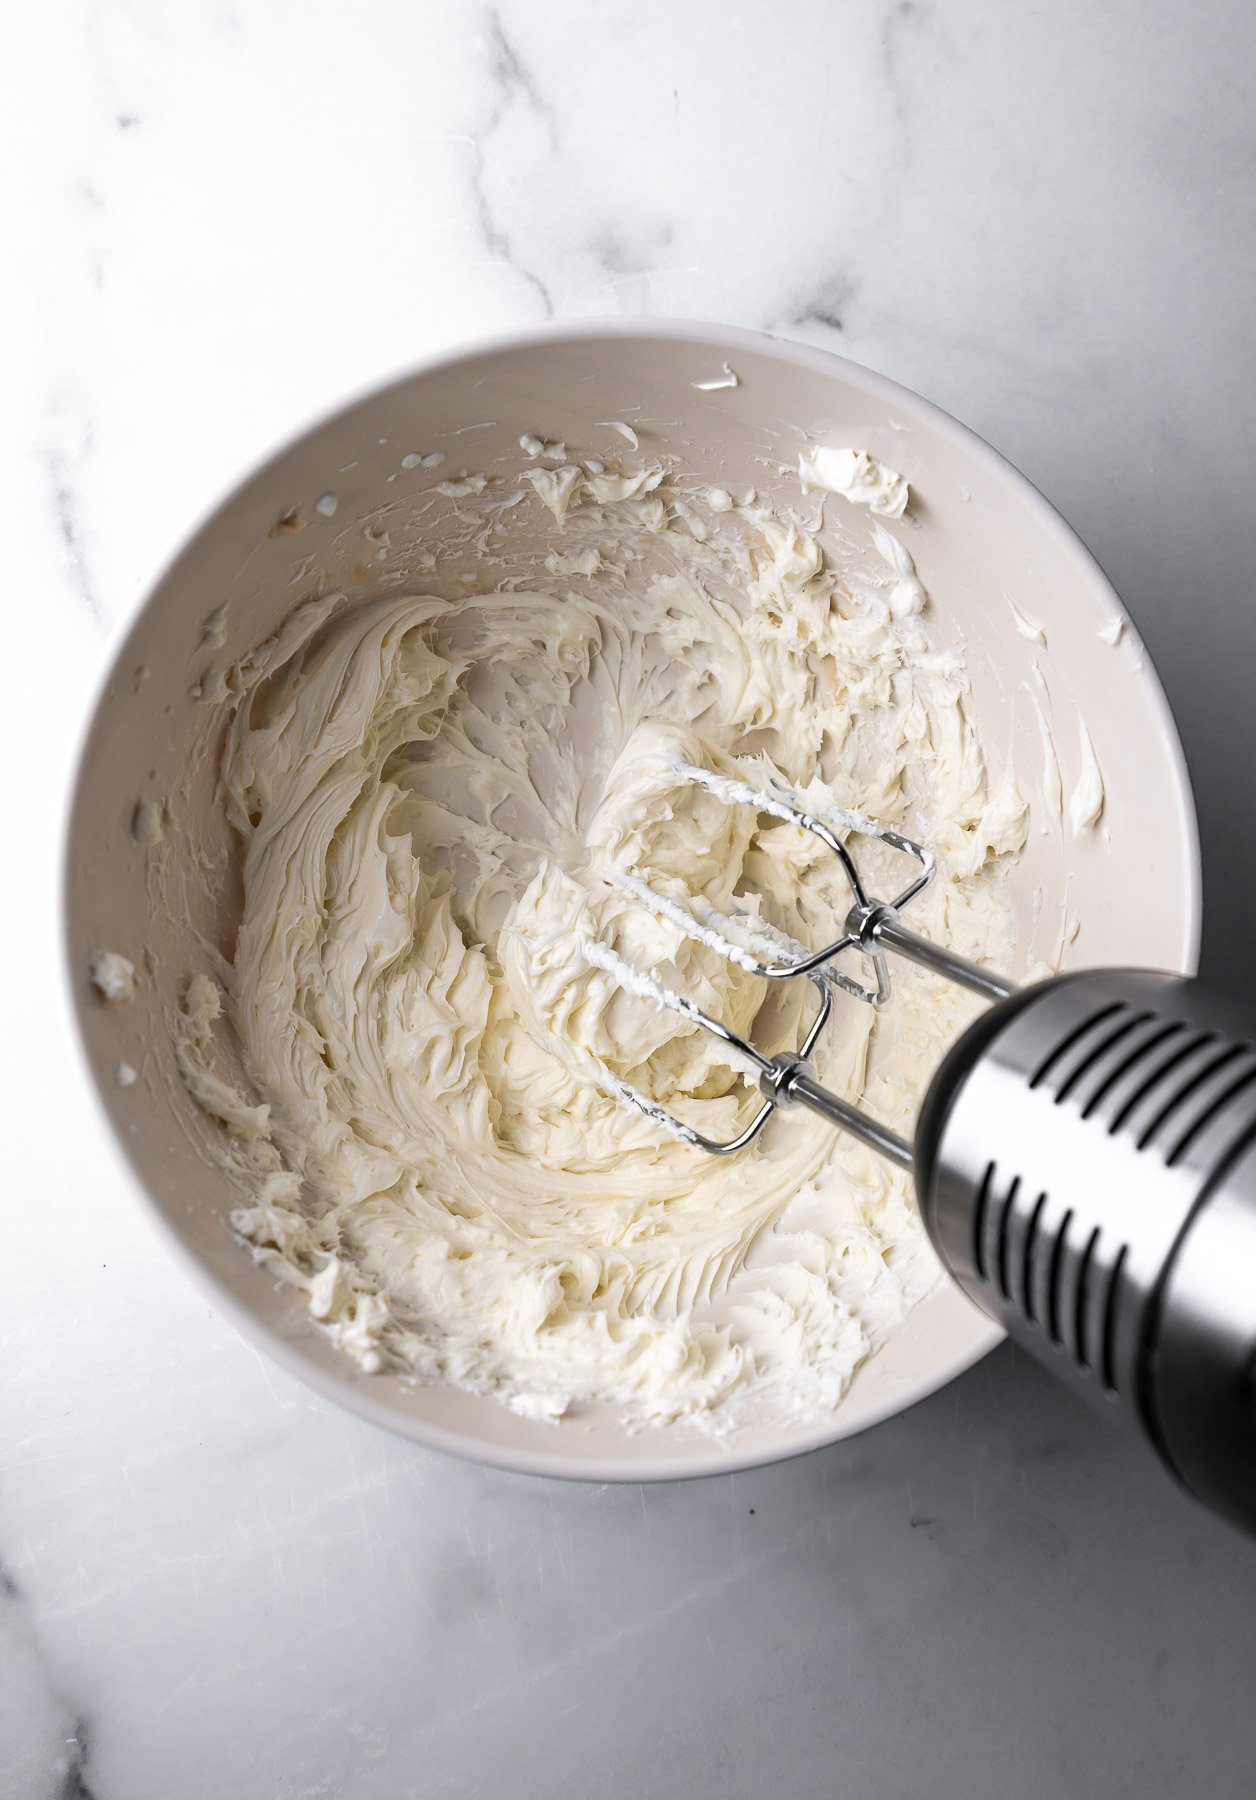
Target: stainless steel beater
[1085, 1156]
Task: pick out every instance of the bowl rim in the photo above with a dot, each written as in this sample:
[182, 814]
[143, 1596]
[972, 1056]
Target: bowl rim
[350, 1390]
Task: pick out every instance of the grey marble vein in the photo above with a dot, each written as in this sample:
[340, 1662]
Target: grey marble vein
[826, 306]
[66, 503]
[512, 77]
[74, 1782]
[900, 15]
[44, 1745]
[511, 84]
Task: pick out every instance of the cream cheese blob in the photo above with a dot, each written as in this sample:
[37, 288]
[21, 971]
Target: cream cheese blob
[431, 799]
[857, 477]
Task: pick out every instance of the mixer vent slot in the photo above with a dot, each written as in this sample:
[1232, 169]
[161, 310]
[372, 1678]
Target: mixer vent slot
[1111, 1300]
[1081, 1296]
[980, 1213]
[1057, 1283]
[1194, 1128]
[1192, 1090]
[1197, 1041]
[1054, 1277]
[1128, 1064]
[1006, 1212]
[1073, 1037]
[1095, 1052]
[1030, 1257]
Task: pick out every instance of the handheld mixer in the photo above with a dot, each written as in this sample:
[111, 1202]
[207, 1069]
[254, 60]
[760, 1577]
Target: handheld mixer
[1085, 1157]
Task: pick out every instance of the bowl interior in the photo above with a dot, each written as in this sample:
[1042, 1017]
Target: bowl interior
[1010, 586]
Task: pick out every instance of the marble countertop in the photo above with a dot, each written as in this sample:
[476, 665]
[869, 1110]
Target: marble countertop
[223, 219]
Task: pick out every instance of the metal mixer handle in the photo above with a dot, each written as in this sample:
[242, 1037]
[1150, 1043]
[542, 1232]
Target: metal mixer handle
[1085, 1161]
[1086, 1166]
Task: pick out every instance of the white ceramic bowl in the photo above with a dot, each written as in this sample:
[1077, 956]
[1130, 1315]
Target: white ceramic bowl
[981, 537]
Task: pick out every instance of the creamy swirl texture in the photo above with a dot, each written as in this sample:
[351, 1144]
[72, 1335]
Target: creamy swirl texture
[429, 796]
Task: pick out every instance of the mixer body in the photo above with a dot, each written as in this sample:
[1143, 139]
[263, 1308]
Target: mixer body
[1086, 1165]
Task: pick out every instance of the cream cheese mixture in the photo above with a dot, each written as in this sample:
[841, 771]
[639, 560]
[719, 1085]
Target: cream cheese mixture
[428, 796]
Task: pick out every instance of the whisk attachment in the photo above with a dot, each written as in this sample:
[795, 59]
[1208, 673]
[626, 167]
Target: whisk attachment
[782, 803]
[872, 928]
[649, 987]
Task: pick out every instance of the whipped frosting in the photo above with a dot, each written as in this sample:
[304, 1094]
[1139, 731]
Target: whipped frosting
[113, 977]
[1086, 803]
[1026, 627]
[148, 823]
[729, 378]
[857, 477]
[413, 1057]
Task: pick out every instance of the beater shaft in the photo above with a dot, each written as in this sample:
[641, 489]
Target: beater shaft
[886, 930]
[792, 1082]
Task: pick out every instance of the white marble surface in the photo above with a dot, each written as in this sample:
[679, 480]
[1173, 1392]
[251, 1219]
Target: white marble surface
[221, 217]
